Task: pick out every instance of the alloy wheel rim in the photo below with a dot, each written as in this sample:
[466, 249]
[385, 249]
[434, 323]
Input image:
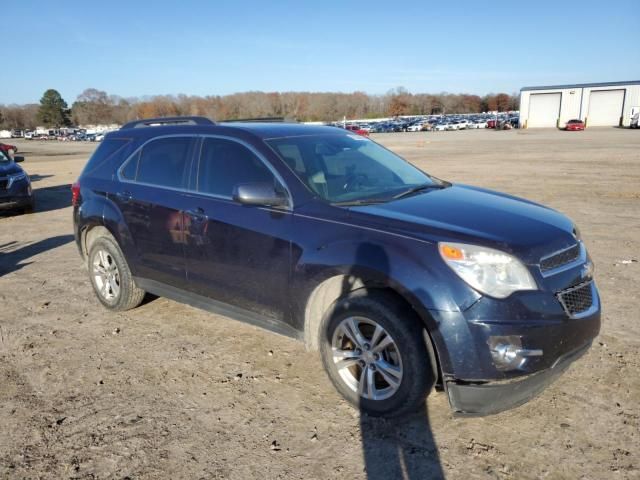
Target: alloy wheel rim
[106, 275]
[367, 358]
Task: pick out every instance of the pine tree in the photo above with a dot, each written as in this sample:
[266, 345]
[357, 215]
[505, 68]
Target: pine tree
[53, 111]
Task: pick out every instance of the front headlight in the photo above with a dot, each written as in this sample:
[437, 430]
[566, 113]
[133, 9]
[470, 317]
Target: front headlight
[16, 177]
[489, 271]
[576, 233]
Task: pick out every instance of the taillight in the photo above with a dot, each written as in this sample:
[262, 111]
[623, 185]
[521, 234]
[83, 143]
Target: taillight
[75, 194]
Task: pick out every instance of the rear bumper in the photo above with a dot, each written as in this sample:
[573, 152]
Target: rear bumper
[490, 398]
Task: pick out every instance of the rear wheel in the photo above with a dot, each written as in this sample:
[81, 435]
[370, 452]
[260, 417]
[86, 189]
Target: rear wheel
[376, 355]
[111, 277]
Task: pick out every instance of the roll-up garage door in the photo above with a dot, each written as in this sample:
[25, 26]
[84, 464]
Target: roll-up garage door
[605, 108]
[544, 109]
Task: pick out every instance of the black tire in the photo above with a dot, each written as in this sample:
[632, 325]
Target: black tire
[128, 295]
[30, 208]
[411, 343]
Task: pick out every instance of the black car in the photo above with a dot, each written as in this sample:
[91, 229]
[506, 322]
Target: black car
[399, 279]
[15, 185]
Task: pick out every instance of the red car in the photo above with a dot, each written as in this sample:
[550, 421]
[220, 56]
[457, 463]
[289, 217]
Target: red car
[356, 129]
[574, 125]
[5, 147]
[491, 123]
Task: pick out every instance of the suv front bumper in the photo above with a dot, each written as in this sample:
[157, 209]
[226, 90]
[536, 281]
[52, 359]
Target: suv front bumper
[19, 195]
[477, 380]
[490, 398]
[10, 203]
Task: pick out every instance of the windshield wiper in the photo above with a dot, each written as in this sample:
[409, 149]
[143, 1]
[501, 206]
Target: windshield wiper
[420, 188]
[355, 203]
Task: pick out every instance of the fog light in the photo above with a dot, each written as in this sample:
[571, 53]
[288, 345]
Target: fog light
[507, 352]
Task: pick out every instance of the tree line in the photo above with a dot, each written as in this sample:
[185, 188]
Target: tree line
[94, 107]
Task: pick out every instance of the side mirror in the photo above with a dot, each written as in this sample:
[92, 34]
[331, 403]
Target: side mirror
[262, 194]
[18, 159]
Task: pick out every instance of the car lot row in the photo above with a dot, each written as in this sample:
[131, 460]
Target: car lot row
[64, 135]
[434, 123]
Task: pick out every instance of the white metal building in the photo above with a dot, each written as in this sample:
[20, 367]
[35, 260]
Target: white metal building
[597, 104]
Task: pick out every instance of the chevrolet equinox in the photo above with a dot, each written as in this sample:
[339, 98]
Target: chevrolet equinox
[403, 282]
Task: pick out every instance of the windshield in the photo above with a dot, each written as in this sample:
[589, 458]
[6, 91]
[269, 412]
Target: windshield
[349, 168]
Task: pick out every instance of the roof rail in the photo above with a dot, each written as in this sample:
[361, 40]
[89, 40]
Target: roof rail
[156, 122]
[259, 119]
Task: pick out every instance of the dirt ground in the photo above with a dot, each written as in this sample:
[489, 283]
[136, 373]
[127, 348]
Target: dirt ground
[168, 391]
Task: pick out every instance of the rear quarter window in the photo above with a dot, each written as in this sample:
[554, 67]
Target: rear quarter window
[107, 157]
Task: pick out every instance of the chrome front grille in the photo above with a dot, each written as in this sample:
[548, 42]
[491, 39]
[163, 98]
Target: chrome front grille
[576, 300]
[559, 259]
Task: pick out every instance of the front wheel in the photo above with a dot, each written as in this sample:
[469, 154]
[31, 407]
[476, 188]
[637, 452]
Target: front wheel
[376, 355]
[30, 208]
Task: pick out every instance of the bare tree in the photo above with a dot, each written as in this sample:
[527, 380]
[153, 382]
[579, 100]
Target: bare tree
[95, 106]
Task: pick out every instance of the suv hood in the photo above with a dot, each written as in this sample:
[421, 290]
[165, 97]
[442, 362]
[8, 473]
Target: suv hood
[475, 215]
[8, 168]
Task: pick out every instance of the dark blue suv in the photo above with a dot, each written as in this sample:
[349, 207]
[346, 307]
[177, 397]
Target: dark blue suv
[402, 281]
[15, 185]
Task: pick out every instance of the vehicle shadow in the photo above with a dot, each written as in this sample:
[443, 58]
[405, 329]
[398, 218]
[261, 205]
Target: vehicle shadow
[52, 198]
[13, 254]
[47, 199]
[402, 447]
[36, 178]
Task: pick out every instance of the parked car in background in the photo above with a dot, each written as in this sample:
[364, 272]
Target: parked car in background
[574, 125]
[440, 127]
[15, 185]
[477, 124]
[491, 123]
[357, 130]
[416, 127]
[5, 147]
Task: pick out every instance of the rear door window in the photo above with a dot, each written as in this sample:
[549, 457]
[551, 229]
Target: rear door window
[163, 162]
[225, 164]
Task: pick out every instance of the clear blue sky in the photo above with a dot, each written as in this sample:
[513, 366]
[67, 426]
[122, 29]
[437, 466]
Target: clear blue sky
[137, 48]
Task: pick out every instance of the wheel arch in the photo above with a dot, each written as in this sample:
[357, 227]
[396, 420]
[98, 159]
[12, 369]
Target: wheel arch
[109, 223]
[90, 234]
[332, 289]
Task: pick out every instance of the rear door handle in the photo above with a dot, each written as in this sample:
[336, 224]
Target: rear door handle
[197, 214]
